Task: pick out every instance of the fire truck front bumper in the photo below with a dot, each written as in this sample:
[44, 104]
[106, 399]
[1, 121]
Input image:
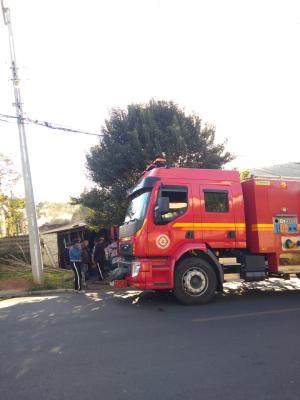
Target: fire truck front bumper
[131, 273]
[138, 273]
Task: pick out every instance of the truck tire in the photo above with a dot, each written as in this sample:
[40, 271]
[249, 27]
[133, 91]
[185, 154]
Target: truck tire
[195, 281]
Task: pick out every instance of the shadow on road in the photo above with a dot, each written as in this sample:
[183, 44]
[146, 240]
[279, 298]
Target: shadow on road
[235, 291]
[96, 301]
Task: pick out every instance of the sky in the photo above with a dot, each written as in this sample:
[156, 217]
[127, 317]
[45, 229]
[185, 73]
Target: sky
[235, 63]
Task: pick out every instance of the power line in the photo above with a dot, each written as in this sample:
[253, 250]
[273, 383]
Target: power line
[49, 125]
[5, 120]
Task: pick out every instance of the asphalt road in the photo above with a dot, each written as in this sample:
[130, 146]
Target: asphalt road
[123, 345]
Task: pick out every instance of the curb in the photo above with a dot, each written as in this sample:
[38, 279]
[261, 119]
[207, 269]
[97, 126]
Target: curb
[34, 293]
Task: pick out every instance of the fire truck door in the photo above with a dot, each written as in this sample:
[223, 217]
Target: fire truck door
[169, 231]
[216, 218]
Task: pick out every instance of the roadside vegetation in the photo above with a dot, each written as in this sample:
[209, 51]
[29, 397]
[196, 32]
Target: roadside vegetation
[20, 278]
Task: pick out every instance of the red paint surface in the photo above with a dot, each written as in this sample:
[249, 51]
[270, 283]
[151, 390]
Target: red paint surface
[249, 204]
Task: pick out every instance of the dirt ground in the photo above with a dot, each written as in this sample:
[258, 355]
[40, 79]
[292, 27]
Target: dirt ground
[15, 284]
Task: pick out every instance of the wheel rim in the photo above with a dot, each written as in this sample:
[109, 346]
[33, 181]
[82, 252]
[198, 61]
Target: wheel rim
[195, 281]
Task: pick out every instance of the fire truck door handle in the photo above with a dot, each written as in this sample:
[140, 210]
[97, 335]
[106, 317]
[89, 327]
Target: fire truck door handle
[189, 235]
[231, 234]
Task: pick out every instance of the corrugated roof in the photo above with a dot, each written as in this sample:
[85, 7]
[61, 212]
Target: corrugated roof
[291, 170]
[69, 227]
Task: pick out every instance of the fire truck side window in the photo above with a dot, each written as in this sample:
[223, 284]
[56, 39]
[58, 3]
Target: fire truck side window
[216, 201]
[178, 203]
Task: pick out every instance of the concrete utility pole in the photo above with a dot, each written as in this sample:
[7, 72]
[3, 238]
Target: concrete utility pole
[34, 238]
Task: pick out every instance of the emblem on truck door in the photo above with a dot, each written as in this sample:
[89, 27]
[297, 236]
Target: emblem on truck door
[162, 241]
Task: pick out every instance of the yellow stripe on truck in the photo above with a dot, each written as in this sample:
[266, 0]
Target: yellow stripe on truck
[208, 225]
[220, 226]
[262, 227]
[183, 225]
[140, 230]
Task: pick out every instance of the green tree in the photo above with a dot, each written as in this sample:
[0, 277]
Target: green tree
[131, 140]
[12, 215]
[15, 216]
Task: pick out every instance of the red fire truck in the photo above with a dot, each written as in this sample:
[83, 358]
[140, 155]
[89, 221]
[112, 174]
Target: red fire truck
[190, 230]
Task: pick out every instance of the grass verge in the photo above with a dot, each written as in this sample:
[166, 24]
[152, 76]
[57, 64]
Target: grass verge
[56, 279]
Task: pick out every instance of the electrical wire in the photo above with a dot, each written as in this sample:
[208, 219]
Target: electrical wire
[5, 120]
[47, 124]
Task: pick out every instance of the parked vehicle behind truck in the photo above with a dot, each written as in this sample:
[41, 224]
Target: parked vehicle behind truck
[191, 230]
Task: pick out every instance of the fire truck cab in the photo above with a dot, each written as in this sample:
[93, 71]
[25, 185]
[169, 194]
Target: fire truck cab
[189, 230]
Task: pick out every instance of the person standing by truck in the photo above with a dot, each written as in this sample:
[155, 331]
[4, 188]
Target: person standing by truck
[98, 257]
[86, 261]
[75, 261]
[66, 256]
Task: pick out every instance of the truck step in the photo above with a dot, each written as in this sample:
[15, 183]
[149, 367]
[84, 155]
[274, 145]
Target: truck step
[233, 276]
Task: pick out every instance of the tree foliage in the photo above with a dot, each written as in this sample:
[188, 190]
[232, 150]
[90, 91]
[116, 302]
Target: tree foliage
[12, 208]
[132, 138]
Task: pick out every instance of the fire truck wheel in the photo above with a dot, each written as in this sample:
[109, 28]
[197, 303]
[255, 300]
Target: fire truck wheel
[195, 281]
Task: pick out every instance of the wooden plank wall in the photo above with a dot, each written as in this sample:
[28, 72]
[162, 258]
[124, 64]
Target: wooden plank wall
[50, 241]
[12, 244]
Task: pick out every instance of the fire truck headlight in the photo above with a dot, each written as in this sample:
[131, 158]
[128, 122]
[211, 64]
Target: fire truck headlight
[135, 267]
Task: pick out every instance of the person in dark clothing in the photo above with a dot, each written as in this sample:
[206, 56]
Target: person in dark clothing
[98, 257]
[66, 255]
[86, 259]
[75, 260]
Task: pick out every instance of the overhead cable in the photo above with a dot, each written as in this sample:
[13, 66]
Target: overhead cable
[49, 125]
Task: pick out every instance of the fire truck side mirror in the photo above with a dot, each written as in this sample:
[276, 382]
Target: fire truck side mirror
[163, 205]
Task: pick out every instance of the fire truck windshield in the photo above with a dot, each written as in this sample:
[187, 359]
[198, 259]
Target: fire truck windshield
[137, 208]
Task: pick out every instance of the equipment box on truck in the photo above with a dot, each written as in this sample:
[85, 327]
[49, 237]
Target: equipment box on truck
[189, 230]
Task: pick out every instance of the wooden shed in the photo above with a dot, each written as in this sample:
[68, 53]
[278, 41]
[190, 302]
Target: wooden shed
[56, 240]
